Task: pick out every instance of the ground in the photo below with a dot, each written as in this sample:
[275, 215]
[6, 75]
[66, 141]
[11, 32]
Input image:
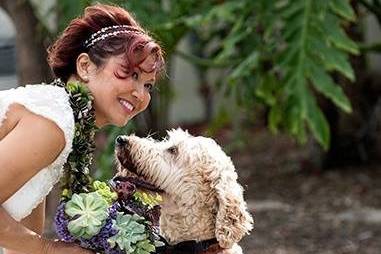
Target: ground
[297, 210]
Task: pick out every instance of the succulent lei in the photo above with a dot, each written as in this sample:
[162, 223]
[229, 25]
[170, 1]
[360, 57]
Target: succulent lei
[110, 219]
[76, 170]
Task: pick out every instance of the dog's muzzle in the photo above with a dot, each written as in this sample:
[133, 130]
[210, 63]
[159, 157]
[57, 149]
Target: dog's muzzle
[122, 147]
[121, 141]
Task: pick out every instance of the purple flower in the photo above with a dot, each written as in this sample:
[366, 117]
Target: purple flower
[61, 221]
[98, 242]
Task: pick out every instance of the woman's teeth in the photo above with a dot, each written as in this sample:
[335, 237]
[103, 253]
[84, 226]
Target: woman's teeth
[126, 105]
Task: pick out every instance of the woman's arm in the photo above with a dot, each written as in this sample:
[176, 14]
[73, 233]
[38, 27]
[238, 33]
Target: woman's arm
[30, 146]
[34, 222]
[13, 235]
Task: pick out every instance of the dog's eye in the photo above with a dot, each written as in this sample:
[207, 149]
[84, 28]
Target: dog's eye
[173, 150]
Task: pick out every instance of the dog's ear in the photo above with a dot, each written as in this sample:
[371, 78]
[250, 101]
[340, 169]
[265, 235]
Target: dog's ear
[232, 220]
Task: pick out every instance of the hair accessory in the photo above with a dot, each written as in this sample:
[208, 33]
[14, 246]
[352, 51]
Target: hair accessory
[111, 31]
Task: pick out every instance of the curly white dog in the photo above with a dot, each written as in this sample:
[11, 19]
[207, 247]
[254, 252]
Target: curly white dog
[202, 200]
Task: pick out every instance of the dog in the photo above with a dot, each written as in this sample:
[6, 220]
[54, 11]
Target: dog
[203, 207]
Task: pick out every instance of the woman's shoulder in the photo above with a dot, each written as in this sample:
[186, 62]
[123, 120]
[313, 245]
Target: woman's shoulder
[35, 92]
[43, 100]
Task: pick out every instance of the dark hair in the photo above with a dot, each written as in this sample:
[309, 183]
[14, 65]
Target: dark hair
[135, 47]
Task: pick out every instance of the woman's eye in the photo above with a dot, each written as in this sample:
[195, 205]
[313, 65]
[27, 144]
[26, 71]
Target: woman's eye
[148, 86]
[121, 74]
[135, 76]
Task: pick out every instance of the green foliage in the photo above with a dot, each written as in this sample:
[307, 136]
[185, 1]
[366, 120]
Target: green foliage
[130, 233]
[91, 210]
[164, 18]
[316, 45]
[144, 247]
[283, 52]
[67, 10]
[148, 199]
[105, 191]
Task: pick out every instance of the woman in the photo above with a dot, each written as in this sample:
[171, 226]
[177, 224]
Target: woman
[118, 62]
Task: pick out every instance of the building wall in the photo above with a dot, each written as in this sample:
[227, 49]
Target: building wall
[7, 52]
[186, 105]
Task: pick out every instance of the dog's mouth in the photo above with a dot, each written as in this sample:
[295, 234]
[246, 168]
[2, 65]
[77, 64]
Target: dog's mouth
[133, 174]
[125, 159]
[130, 183]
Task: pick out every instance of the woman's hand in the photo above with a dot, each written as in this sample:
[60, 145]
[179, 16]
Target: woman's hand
[59, 247]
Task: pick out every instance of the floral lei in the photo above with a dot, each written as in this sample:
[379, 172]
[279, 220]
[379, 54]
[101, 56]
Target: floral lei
[76, 169]
[110, 219]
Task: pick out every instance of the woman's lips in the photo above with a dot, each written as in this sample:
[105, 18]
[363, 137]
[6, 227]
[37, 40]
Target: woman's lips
[126, 105]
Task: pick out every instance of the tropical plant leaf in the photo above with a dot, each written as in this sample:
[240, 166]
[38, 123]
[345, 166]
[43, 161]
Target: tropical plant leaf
[343, 8]
[325, 85]
[317, 121]
[316, 45]
[337, 35]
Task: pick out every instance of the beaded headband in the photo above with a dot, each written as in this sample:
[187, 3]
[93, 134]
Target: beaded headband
[111, 31]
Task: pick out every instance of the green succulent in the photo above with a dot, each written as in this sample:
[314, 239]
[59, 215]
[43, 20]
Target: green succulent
[130, 231]
[147, 198]
[144, 247]
[105, 191]
[91, 210]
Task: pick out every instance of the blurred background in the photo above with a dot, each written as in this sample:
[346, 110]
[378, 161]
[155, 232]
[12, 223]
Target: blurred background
[290, 89]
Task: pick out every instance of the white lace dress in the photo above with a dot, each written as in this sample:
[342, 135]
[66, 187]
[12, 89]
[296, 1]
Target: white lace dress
[51, 102]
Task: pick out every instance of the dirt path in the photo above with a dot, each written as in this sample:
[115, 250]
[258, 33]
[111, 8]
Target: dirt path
[335, 212]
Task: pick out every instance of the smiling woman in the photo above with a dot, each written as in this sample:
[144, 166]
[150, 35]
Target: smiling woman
[114, 56]
[119, 95]
[106, 66]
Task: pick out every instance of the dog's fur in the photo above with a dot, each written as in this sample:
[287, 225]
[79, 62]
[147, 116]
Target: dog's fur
[202, 198]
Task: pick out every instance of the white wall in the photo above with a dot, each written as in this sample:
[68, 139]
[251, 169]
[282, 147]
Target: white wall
[7, 29]
[7, 82]
[7, 35]
[186, 105]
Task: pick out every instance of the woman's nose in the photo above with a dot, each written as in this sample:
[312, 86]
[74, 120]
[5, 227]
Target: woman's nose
[138, 93]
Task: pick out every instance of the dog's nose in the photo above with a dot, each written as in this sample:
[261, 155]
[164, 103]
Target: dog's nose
[120, 140]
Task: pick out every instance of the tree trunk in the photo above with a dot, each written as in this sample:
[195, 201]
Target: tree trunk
[30, 51]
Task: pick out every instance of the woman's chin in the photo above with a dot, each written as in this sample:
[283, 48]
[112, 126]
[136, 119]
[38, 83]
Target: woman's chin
[121, 121]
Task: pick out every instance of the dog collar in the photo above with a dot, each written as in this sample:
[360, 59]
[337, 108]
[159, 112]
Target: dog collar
[191, 247]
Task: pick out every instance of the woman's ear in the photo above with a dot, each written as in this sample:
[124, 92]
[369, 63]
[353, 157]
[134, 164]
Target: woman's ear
[84, 67]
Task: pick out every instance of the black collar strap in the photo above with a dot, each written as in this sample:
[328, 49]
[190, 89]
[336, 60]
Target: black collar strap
[187, 247]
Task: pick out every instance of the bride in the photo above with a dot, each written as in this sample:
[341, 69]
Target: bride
[115, 59]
